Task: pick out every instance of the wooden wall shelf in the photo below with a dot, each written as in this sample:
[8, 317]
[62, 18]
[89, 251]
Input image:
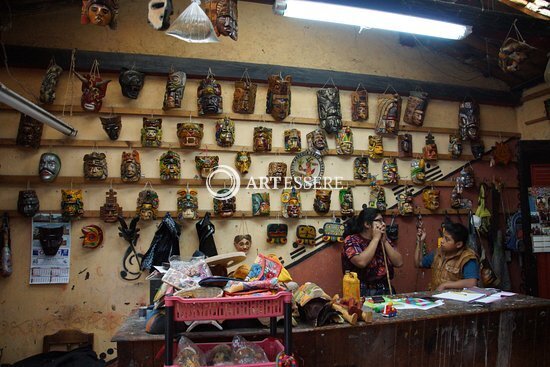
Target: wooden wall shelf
[538, 119]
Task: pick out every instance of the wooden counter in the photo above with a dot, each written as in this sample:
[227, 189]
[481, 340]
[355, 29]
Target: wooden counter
[514, 331]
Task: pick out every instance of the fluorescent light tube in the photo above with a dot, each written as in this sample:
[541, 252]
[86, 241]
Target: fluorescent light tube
[366, 18]
[25, 106]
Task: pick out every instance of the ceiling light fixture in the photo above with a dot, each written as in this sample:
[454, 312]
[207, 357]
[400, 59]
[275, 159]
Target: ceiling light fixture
[367, 18]
[25, 106]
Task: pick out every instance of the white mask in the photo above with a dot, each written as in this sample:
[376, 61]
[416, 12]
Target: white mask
[159, 13]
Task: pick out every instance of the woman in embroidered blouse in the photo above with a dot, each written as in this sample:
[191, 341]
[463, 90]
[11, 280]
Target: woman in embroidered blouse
[363, 253]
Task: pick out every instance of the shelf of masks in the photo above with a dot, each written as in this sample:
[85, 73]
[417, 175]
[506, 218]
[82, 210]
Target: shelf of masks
[148, 112]
[11, 180]
[127, 144]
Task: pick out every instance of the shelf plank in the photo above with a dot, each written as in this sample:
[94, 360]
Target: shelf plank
[534, 121]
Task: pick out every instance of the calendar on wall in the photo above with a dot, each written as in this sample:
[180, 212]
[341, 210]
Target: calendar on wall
[539, 208]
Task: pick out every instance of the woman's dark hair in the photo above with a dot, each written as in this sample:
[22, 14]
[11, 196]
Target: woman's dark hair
[356, 224]
[457, 231]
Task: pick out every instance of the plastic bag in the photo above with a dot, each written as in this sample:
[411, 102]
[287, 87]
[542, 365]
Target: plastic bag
[189, 355]
[246, 352]
[193, 25]
[220, 355]
[186, 274]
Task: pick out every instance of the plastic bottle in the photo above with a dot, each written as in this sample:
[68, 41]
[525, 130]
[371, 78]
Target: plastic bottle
[351, 286]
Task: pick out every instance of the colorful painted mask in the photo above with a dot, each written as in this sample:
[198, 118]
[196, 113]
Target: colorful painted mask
[49, 83]
[95, 166]
[262, 139]
[93, 236]
[170, 168]
[225, 132]
[49, 167]
[277, 233]
[260, 204]
[360, 105]
[225, 208]
[110, 211]
[502, 154]
[376, 147]
[321, 202]
[51, 238]
[346, 202]
[478, 148]
[361, 169]
[328, 106]
[72, 205]
[243, 242]
[344, 141]
[276, 171]
[147, 204]
[209, 97]
[457, 201]
[404, 145]
[333, 232]
[100, 12]
[131, 81]
[293, 140]
[112, 126]
[416, 108]
[175, 86]
[404, 202]
[377, 198]
[159, 13]
[206, 164]
[430, 197]
[151, 132]
[291, 203]
[190, 134]
[130, 167]
[429, 151]
[93, 91]
[29, 132]
[317, 142]
[455, 146]
[418, 171]
[468, 120]
[244, 97]
[224, 15]
[278, 96]
[28, 203]
[243, 162]
[389, 171]
[305, 235]
[389, 113]
[188, 204]
[467, 177]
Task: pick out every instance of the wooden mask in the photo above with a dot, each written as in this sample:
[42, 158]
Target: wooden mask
[147, 204]
[95, 166]
[418, 171]
[49, 167]
[242, 242]
[110, 211]
[305, 235]
[478, 148]
[344, 141]
[278, 96]
[328, 106]
[93, 91]
[502, 154]
[260, 204]
[277, 233]
[361, 169]
[170, 168]
[188, 204]
[92, 236]
[244, 97]
[206, 164]
[131, 81]
[72, 205]
[317, 142]
[112, 126]
[389, 171]
[190, 134]
[243, 161]
[29, 132]
[175, 87]
[455, 146]
[429, 151]
[345, 197]
[151, 132]
[389, 114]
[404, 202]
[404, 145]
[262, 139]
[51, 238]
[377, 198]
[224, 17]
[321, 202]
[431, 198]
[225, 132]
[159, 13]
[130, 167]
[467, 177]
[293, 140]
[360, 105]
[376, 147]
[416, 108]
[468, 120]
[27, 203]
[291, 203]
[227, 207]
[100, 12]
[49, 83]
[277, 170]
[209, 96]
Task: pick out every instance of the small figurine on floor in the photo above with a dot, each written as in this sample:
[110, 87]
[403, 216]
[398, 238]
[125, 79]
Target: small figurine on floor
[389, 310]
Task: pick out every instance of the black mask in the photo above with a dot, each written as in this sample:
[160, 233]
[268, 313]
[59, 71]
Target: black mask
[112, 126]
[131, 82]
[50, 239]
[27, 203]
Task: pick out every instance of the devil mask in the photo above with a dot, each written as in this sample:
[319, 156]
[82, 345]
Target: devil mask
[175, 86]
[100, 12]
[50, 239]
[72, 206]
[416, 108]
[170, 166]
[190, 134]
[130, 167]
[389, 113]
[131, 82]
[262, 139]
[49, 167]
[225, 132]
[27, 203]
[49, 83]
[112, 126]
[328, 106]
[29, 133]
[93, 91]
[110, 211]
[243, 161]
[468, 120]
[95, 166]
[244, 97]
[223, 14]
[404, 145]
[278, 96]
[159, 14]
[151, 132]
[209, 97]
[344, 141]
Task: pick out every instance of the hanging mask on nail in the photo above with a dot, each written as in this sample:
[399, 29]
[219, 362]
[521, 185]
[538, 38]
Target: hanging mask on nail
[206, 164]
[243, 162]
[405, 202]
[93, 89]
[131, 81]
[389, 171]
[457, 201]
[243, 242]
[416, 108]
[277, 233]
[244, 97]
[100, 12]
[260, 204]
[209, 96]
[478, 148]
[49, 83]
[276, 172]
[455, 146]
[429, 151]
[27, 203]
[225, 132]
[227, 207]
[317, 142]
[344, 141]
[377, 198]
[224, 15]
[392, 230]
[93, 236]
[404, 145]
[291, 203]
[188, 204]
[95, 166]
[147, 204]
[190, 134]
[159, 14]
[170, 168]
[333, 232]
[262, 139]
[346, 202]
[418, 171]
[49, 167]
[175, 87]
[468, 120]
[29, 132]
[361, 169]
[376, 147]
[130, 167]
[502, 154]
[305, 235]
[321, 202]
[431, 198]
[389, 114]
[278, 97]
[151, 132]
[293, 140]
[72, 205]
[110, 211]
[328, 106]
[51, 239]
[360, 105]
[112, 126]
[467, 177]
